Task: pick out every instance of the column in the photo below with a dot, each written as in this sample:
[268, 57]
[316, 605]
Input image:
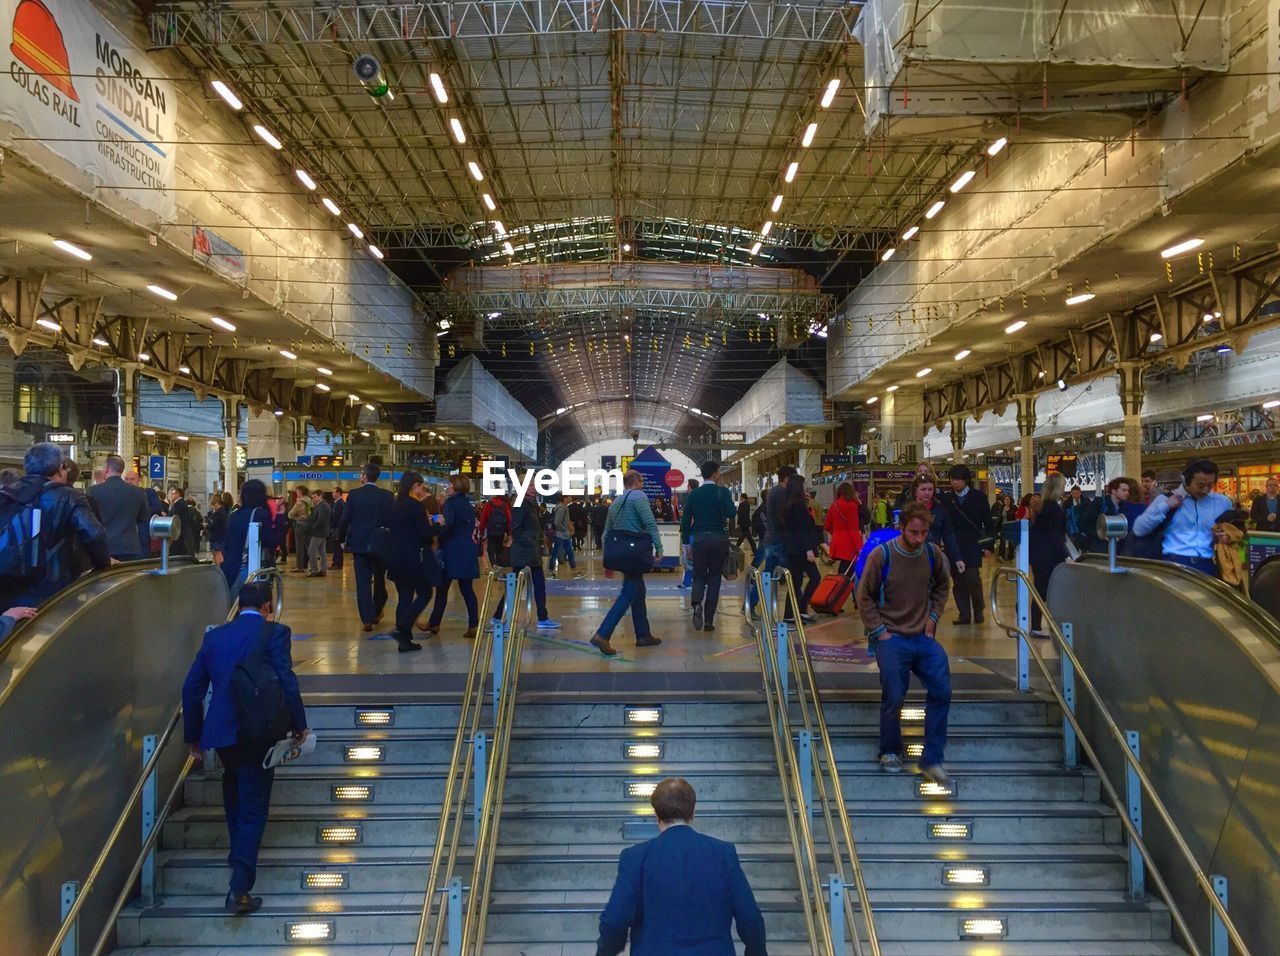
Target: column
[1026, 429]
[230, 442]
[270, 437]
[811, 458]
[202, 469]
[959, 432]
[902, 425]
[126, 411]
[300, 434]
[750, 478]
[1132, 393]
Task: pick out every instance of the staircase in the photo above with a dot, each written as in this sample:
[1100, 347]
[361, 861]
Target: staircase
[1039, 858]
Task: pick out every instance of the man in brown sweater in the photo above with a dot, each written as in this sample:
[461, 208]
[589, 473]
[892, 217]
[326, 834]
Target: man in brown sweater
[902, 592]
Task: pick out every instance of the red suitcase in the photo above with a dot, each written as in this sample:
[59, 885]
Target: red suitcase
[832, 592]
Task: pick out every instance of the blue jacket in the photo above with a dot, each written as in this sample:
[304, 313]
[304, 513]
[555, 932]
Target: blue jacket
[458, 554]
[236, 540]
[223, 648]
[368, 508]
[1189, 532]
[679, 893]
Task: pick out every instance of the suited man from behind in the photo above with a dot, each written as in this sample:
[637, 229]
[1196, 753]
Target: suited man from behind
[246, 786]
[970, 514]
[681, 891]
[124, 512]
[368, 509]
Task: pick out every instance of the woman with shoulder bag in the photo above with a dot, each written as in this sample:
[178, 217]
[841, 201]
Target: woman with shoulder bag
[458, 555]
[411, 564]
[630, 519]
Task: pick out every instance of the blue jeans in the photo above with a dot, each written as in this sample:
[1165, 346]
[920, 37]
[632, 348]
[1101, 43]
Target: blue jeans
[539, 592]
[770, 556]
[246, 800]
[565, 545]
[899, 656]
[631, 596]
[1203, 565]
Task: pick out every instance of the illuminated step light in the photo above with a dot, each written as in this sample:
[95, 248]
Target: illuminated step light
[913, 713]
[72, 249]
[1078, 299]
[982, 928]
[437, 86]
[963, 354]
[228, 97]
[346, 833]
[995, 148]
[330, 205]
[641, 789]
[934, 209]
[791, 172]
[310, 931]
[829, 94]
[928, 789]
[222, 323]
[645, 751]
[1180, 248]
[965, 876]
[1015, 327]
[305, 178]
[375, 716]
[163, 293]
[950, 830]
[351, 793]
[644, 715]
[267, 136]
[964, 179]
[49, 324]
[364, 753]
[325, 880]
[355, 230]
[910, 234]
[810, 132]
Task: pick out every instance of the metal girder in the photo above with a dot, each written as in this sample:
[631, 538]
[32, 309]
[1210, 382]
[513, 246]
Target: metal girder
[1250, 426]
[1217, 307]
[304, 21]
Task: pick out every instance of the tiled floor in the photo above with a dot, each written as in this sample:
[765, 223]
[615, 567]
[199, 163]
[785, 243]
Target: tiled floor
[329, 641]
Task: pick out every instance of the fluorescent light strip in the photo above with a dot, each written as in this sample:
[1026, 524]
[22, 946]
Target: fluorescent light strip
[791, 172]
[267, 136]
[872, 400]
[375, 251]
[222, 323]
[1181, 247]
[920, 374]
[437, 86]
[963, 354]
[289, 355]
[489, 203]
[910, 234]
[322, 386]
[1080, 299]
[964, 180]
[459, 134]
[755, 248]
[104, 344]
[995, 148]
[305, 178]
[330, 205]
[809, 132]
[228, 97]
[887, 254]
[162, 292]
[73, 249]
[1015, 327]
[355, 230]
[49, 324]
[476, 173]
[777, 203]
[766, 228]
[830, 94]
[935, 209]
[324, 371]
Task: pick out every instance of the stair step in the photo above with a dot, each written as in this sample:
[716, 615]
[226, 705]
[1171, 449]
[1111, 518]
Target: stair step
[932, 948]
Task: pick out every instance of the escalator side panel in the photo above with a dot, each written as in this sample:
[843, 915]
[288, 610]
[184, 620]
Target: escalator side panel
[87, 680]
[1200, 682]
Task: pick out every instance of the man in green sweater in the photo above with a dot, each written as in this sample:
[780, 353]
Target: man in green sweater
[702, 524]
[902, 592]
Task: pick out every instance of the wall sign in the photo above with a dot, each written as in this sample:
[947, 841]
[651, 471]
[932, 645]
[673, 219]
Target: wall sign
[61, 438]
[733, 438]
[405, 438]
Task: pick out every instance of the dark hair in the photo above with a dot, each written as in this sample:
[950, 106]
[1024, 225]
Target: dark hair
[302, 490]
[693, 483]
[785, 472]
[372, 471]
[1199, 466]
[253, 494]
[255, 595]
[709, 468]
[1149, 473]
[43, 459]
[114, 465]
[73, 471]
[407, 481]
[915, 511]
[962, 472]
[795, 492]
[845, 490]
[327, 496]
[673, 799]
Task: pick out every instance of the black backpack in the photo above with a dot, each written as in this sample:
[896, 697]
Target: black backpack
[496, 526]
[22, 553]
[757, 522]
[262, 713]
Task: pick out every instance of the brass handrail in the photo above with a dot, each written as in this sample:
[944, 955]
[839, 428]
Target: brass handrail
[798, 651]
[1148, 789]
[803, 851]
[449, 828]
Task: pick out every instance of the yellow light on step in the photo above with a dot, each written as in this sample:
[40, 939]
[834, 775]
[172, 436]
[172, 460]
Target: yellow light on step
[339, 834]
[915, 751]
[351, 793]
[644, 715]
[648, 751]
[913, 713]
[927, 788]
[363, 753]
[325, 880]
[951, 830]
[310, 931]
[375, 717]
[641, 788]
[984, 927]
[965, 876]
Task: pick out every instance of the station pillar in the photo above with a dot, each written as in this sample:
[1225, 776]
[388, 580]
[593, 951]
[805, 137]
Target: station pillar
[270, 437]
[202, 468]
[126, 413]
[750, 478]
[1133, 391]
[902, 425]
[230, 436]
[810, 462]
[959, 432]
[1026, 407]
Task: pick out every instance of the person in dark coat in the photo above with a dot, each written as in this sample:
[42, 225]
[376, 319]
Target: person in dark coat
[188, 523]
[526, 552]
[1046, 542]
[970, 515]
[800, 537]
[941, 533]
[458, 555]
[599, 514]
[411, 564]
[219, 512]
[368, 509]
[335, 522]
[253, 510]
[123, 511]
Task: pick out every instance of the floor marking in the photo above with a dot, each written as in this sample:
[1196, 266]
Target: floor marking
[586, 646]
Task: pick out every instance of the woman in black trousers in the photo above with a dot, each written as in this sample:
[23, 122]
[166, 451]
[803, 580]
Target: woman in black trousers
[800, 537]
[410, 562]
[1047, 542]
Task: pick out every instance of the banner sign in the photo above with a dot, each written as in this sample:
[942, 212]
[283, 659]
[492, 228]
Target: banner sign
[830, 462]
[88, 94]
[218, 254]
[654, 467]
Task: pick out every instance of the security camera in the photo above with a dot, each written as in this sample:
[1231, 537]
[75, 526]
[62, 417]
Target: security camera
[369, 72]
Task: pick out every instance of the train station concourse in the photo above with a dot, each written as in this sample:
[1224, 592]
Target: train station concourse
[665, 477]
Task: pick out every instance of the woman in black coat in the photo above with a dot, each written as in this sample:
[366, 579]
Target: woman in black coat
[800, 537]
[410, 562]
[1047, 542]
[253, 509]
[526, 552]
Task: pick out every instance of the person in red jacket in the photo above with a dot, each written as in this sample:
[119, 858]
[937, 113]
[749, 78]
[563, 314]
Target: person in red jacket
[495, 532]
[844, 527]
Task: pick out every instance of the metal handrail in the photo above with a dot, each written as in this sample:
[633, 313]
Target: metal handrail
[270, 573]
[1065, 650]
[113, 837]
[804, 852]
[798, 651]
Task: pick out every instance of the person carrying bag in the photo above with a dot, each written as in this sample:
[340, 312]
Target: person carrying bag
[631, 546]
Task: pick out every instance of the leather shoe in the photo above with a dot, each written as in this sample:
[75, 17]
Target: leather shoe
[243, 905]
[961, 620]
[406, 645]
[603, 646]
[647, 641]
[366, 628]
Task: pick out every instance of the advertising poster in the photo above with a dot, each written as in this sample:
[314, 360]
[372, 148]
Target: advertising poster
[654, 467]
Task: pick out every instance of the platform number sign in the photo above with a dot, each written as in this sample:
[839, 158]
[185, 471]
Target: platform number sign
[156, 468]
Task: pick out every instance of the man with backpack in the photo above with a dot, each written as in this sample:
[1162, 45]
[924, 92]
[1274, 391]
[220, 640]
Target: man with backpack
[494, 528]
[42, 519]
[255, 704]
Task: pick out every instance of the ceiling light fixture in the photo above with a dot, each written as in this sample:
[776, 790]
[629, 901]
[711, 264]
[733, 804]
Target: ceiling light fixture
[1062, 384]
[830, 94]
[872, 400]
[459, 133]
[499, 228]
[101, 342]
[1156, 336]
[476, 173]
[323, 371]
[267, 136]
[374, 251]
[777, 203]
[489, 203]
[910, 234]
[305, 178]
[330, 205]
[891, 388]
[810, 132]
[1180, 248]
[181, 438]
[995, 148]
[228, 97]
[887, 254]
[1015, 327]
[289, 355]
[935, 209]
[184, 369]
[355, 230]
[370, 407]
[923, 372]
[791, 172]
[755, 249]
[766, 228]
[1274, 403]
[354, 397]
[322, 386]
[162, 292]
[963, 354]
[1204, 418]
[149, 432]
[49, 324]
[278, 412]
[437, 85]
[1080, 298]
[508, 249]
[964, 180]
[72, 249]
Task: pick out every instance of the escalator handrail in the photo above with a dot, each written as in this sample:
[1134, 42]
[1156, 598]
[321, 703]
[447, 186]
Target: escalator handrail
[1082, 678]
[268, 573]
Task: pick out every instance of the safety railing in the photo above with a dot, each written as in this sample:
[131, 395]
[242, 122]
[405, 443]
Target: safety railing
[267, 575]
[1138, 784]
[812, 770]
[144, 792]
[496, 653]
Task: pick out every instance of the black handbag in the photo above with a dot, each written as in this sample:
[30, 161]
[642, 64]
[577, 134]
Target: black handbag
[630, 552]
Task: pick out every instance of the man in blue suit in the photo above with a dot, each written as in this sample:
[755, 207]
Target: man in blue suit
[681, 891]
[368, 508]
[246, 786]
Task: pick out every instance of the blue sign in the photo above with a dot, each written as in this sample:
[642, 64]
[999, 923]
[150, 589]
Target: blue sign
[156, 468]
[608, 462]
[260, 463]
[304, 460]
